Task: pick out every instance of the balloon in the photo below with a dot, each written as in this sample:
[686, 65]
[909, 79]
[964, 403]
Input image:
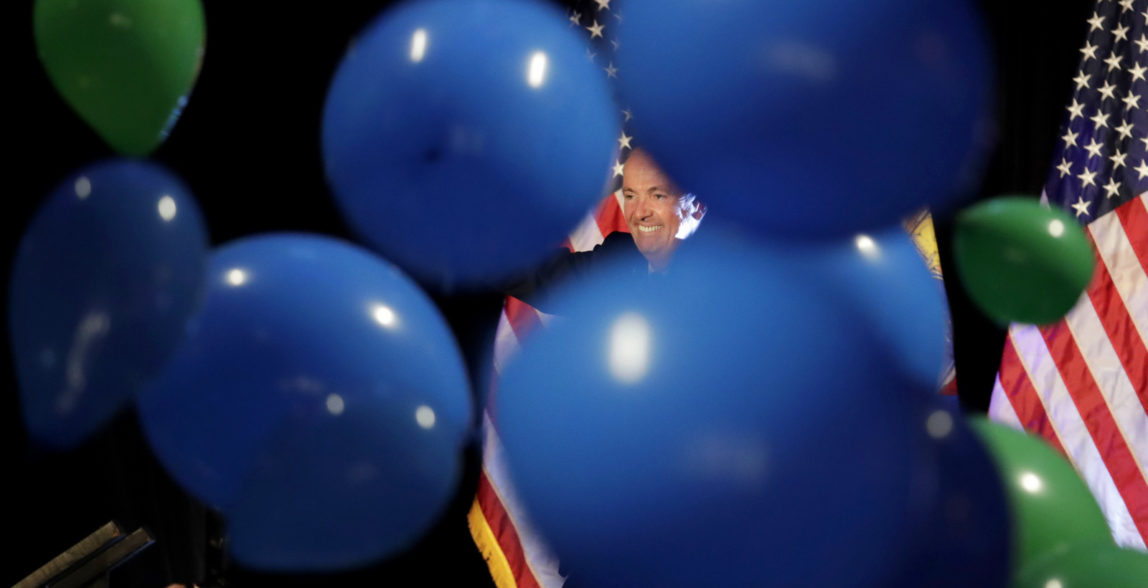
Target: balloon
[1087, 565]
[882, 281]
[960, 513]
[319, 401]
[1021, 261]
[464, 138]
[125, 66]
[1051, 506]
[713, 426]
[809, 118]
[104, 281]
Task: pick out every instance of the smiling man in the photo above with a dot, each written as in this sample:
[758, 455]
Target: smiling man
[658, 213]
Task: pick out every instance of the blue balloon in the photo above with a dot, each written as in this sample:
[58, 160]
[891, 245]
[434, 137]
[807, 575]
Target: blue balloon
[464, 138]
[725, 424]
[319, 400]
[106, 276]
[882, 282]
[810, 118]
[959, 512]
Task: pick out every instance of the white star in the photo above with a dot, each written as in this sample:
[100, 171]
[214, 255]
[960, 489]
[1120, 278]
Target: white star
[590, 53]
[1100, 119]
[1117, 159]
[1081, 80]
[1142, 169]
[1137, 72]
[1145, 15]
[624, 141]
[1089, 50]
[1120, 34]
[603, 5]
[1069, 139]
[576, 18]
[1131, 101]
[1112, 188]
[595, 30]
[1087, 178]
[1106, 90]
[1096, 22]
[1093, 148]
[1144, 140]
[1125, 130]
[1126, 5]
[618, 167]
[1142, 43]
[614, 43]
[627, 114]
[1081, 206]
[611, 71]
[1113, 62]
[1076, 109]
[1065, 167]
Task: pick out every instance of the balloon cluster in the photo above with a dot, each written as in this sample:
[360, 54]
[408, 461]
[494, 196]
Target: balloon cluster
[764, 412]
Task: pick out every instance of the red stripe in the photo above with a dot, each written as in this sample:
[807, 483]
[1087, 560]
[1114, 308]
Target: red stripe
[610, 217]
[1023, 397]
[1134, 218]
[1094, 411]
[523, 318]
[1119, 327]
[505, 533]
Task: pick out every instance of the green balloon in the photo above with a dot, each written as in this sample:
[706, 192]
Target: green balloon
[1085, 566]
[1020, 261]
[125, 66]
[1051, 506]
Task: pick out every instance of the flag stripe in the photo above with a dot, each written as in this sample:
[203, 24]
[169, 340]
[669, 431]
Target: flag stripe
[1101, 426]
[505, 532]
[487, 542]
[1000, 408]
[1123, 265]
[610, 217]
[522, 317]
[1068, 433]
[1029, 406]
[1134, 219]
[1112, 315]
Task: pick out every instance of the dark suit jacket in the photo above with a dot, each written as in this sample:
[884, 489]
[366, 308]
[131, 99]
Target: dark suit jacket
[566, 268]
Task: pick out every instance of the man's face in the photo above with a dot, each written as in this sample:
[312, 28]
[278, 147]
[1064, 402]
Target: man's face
[653, 207]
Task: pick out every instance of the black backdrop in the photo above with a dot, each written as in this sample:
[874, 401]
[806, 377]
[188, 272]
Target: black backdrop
[248, 147]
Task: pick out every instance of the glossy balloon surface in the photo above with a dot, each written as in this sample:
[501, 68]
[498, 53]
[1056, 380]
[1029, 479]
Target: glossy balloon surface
[125, 66]
[464, 139]
[881, 280]
[1051, 506]
[1086, 565]
[658, 432]
[1021, 261]
[959, 509]
[105, 279]
[321, 370]
[810, 118]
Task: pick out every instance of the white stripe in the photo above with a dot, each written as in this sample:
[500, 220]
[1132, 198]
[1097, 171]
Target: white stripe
[505, 342]
[1127, 274]
[541, 560]
[1115, 388]
[1000, 407]
[1072, 432]
[587, 234]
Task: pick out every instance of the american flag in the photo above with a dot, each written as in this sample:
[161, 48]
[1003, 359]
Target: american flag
[1082, 383]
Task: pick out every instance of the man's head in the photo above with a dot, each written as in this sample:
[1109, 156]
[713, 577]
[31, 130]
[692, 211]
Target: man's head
[658, 213]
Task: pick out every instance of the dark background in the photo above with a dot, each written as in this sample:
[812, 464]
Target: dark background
[248, 147]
